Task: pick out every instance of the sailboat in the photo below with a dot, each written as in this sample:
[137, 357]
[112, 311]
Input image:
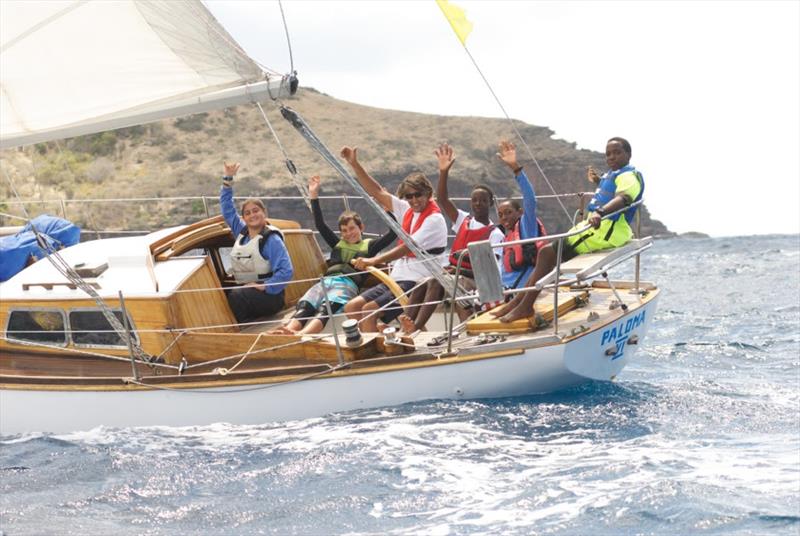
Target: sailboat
[137, 331]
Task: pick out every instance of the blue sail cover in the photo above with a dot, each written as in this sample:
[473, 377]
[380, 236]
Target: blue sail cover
[16, 250]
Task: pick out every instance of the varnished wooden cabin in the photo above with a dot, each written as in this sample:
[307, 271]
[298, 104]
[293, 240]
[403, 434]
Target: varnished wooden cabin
[172, 282]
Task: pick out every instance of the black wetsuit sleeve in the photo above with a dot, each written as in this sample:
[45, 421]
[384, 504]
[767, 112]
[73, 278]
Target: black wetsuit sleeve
[324, 231]
[381, 243]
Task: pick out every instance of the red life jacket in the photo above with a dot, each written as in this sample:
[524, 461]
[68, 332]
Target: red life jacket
[520, 256]
[466, 236]
[430, 208]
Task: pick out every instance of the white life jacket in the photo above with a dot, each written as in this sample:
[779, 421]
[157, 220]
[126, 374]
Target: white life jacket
[247, 264]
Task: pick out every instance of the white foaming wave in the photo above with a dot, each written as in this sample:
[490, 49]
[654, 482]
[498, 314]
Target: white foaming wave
[530, 483]
[22, 438]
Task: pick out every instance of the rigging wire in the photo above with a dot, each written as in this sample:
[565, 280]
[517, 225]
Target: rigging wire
[456, 17]
[517, 132]
[301, 186]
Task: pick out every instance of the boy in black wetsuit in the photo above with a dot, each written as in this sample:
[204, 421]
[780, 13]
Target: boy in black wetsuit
[342, 281]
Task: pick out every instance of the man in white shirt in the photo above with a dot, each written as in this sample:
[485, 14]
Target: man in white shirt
[468, 228]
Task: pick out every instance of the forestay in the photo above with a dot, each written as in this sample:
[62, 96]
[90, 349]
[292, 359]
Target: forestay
[84, 66]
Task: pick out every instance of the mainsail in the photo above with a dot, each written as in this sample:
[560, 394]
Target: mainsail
[84, 66]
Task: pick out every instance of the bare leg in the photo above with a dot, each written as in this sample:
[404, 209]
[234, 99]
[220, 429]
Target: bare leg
[433, 295]
[416, 297]
[369, 323]
[314, 326]
[294, 325]
[462, 313]
[353, 308]
[522, 304]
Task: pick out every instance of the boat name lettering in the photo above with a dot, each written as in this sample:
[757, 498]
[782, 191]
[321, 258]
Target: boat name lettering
[619, 333]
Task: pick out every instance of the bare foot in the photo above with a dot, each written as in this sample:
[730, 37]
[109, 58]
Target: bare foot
[504, 309]
[406, 324]
[281, 330]
[523, 310]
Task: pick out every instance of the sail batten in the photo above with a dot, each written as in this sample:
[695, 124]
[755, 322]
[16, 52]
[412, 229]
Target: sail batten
[95, 65]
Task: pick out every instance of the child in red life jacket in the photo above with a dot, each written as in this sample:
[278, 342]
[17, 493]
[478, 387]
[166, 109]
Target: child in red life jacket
[519, 222]
[421, 218]
[468, 228]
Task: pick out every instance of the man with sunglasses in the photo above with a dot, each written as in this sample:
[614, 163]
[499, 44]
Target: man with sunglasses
[420, 217]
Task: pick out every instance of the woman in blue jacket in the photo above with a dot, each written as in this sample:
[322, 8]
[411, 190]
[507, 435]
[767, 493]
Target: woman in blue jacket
[259, 258]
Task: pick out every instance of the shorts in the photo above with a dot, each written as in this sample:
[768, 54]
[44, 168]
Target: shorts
[381, 294]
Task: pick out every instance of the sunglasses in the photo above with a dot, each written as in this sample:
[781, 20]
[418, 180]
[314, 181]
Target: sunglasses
[412, 195]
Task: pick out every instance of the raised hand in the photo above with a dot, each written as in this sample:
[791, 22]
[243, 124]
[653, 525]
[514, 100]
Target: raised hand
[231, 168]
[592, 175]
[350, 154]
[446, 156]
[507, 152]
[313, 187]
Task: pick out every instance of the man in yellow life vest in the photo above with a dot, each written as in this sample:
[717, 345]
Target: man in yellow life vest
[619, 187]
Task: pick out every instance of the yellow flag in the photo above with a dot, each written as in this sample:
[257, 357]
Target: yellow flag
[457, 18]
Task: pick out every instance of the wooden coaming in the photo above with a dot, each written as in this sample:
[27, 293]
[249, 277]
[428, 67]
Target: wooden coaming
[307, 262]
[307, 259]
[200, 302]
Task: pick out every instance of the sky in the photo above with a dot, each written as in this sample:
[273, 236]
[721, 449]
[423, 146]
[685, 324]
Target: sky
[707, 93]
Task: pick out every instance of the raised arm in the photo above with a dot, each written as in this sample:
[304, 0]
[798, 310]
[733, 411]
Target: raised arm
[325, 232]
[445, 157]
[381, 243]
[373, 188]
[507, 152]
[226, 204]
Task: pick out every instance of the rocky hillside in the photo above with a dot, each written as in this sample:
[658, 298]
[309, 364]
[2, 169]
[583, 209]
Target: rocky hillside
[183, 157]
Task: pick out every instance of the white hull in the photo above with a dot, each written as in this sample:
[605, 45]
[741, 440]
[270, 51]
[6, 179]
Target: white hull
[537, 370]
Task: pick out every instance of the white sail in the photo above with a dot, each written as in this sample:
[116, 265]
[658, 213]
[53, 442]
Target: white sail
[75, 67]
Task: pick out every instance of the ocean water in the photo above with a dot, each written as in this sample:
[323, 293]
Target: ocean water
[700, 434]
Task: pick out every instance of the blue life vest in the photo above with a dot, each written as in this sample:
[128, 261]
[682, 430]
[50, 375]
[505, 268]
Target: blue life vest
[606, 191]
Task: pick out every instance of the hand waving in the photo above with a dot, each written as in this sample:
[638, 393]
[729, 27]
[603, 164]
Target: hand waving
[313, 187]
[507, 152]
[446, 156]
[231, 168]
[592, 175]
[350, 154]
